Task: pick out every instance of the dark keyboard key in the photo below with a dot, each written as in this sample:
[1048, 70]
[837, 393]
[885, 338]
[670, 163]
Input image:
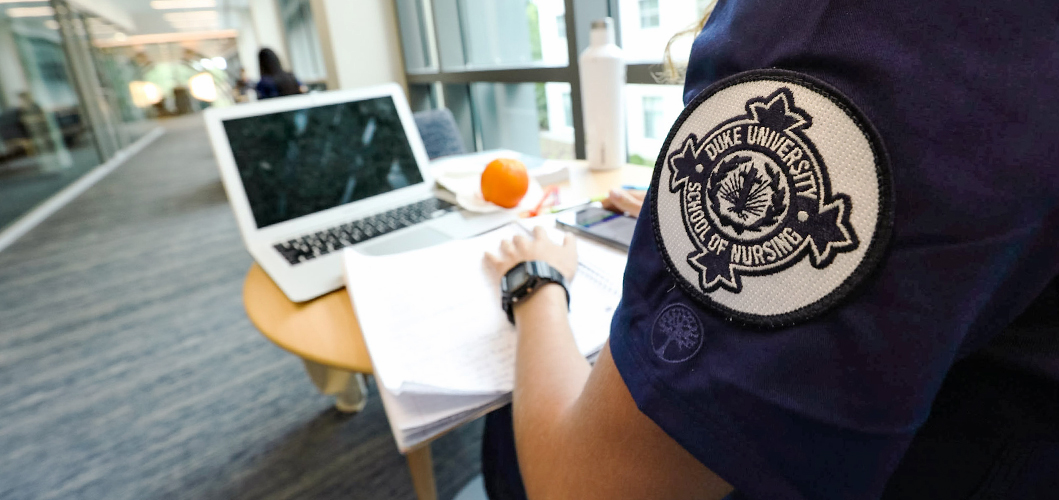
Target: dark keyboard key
[320, 243]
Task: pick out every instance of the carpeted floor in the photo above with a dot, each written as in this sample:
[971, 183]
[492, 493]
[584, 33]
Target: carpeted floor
[128, 368]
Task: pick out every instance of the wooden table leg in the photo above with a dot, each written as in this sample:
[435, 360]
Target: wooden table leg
[421, 467]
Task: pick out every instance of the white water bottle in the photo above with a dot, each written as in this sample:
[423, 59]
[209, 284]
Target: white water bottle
[603, 98]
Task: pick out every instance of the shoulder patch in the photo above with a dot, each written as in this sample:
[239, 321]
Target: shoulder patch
[771, 197]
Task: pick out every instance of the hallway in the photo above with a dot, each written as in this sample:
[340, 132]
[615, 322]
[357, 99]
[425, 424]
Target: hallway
[128, 368]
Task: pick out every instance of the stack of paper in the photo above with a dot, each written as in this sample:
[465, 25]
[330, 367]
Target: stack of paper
[442, 348]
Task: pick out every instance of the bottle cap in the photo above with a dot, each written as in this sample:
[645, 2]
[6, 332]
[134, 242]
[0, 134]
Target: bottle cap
[604, 23]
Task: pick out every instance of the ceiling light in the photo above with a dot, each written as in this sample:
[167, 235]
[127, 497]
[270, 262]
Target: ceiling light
[30, 12]
[220, 62]
[182, 4]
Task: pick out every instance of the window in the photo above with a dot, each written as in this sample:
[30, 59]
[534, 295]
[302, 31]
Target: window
[647, 25]
[649, 13]
[306, 57]
[500, 67]
[416, 35]
[486, 34]
[651, 110]
[652, 116]
[506, 115]
[503, 69]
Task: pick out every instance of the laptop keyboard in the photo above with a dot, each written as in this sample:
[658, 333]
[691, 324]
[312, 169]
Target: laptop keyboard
[324, 242]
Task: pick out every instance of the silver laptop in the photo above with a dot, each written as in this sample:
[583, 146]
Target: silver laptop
[310, 175]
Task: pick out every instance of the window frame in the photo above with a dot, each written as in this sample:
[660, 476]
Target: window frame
[439, 81]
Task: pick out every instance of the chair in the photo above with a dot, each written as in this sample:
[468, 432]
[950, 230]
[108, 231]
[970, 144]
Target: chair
[441, 136]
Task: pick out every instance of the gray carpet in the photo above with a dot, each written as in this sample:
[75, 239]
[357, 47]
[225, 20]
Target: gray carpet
[128, 368]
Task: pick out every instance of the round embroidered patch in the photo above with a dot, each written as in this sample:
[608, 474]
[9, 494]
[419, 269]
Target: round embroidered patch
[772, 198]
[677, 334]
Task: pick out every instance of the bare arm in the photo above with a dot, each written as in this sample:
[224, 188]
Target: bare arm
[578, 431]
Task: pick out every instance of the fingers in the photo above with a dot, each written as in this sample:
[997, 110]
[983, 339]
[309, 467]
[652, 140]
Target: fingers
[494, 265]
[625, 202]
[569, 241]
[539, 233]
[521, 243]
[507, 250]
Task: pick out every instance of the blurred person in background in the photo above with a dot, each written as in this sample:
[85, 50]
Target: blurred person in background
[242, 87]
[274, 81]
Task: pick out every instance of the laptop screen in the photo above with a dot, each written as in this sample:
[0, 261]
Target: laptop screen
[296, 163]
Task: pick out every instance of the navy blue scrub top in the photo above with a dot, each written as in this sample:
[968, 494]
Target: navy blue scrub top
[964, 95]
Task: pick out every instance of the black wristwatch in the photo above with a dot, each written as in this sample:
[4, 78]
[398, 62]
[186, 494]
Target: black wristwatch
[524, 279]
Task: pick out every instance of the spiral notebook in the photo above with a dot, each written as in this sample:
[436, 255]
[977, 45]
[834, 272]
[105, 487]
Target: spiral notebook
[442, 349]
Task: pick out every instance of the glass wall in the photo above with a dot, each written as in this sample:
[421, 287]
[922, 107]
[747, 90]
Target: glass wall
[45, 138]
[116, 70]
[64, 105]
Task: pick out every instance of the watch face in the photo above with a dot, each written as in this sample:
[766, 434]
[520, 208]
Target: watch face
[516, 277]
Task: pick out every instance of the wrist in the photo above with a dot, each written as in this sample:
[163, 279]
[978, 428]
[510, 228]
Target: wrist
[527, 280]
[548, 299]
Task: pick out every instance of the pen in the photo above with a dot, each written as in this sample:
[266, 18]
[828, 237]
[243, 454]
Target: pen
[630, 187]
[583, 202]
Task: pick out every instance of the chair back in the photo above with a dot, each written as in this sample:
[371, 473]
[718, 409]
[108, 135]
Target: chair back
[441, 136]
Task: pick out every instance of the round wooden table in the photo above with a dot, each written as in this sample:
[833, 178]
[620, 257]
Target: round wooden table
[324, 332]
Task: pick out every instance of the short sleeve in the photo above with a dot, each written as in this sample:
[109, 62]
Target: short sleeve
[821, 410]
[825, 405]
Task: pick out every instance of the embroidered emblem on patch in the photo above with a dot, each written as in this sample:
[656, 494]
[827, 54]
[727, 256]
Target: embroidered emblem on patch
[772, 197]
[677, 334]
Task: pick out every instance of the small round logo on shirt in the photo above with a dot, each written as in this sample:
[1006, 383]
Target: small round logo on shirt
[771, 197]
[677, 334]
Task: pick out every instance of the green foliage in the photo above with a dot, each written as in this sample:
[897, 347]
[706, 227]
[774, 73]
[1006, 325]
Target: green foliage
[534, 31]
[542, 106]
[537, 53]
[639, 160]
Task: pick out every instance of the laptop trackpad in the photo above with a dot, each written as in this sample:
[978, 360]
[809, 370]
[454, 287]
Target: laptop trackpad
[420, 237]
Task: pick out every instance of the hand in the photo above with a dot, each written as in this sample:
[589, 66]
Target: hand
[538, 247]
[626, 202]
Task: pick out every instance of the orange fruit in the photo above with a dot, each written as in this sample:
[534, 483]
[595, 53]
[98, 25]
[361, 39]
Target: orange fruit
[505, 182]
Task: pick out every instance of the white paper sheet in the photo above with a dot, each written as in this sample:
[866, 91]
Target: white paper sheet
[432, 321]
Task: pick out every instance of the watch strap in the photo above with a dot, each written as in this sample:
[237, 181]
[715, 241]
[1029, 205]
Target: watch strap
[539, 273]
